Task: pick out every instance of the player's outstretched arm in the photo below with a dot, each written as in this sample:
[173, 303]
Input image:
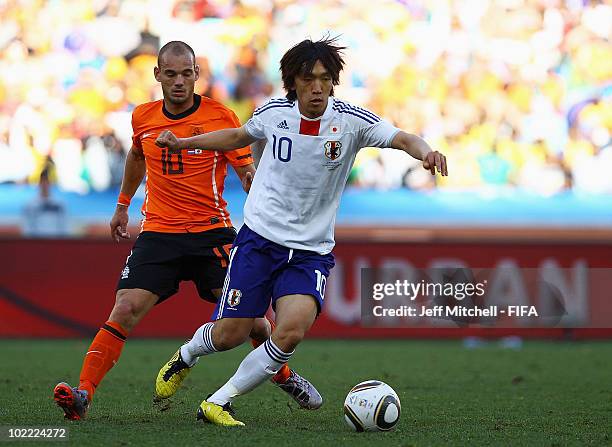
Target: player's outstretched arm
[419, 149]
[133, 174]
[220, 140]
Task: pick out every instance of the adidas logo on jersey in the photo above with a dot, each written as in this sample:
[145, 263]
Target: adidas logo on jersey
[283, 125]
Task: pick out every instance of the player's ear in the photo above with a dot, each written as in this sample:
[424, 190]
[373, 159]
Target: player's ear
[156, 73]
[196, 71]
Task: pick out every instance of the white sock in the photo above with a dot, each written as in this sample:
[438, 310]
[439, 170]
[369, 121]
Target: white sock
[200, 344]
[255, 369]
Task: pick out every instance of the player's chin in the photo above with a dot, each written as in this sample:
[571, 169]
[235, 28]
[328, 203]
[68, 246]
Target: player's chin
[178, 97]
[317, 108]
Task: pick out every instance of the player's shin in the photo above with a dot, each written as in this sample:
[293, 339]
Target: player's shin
[284, 372]
[103, 353]
[260, 365]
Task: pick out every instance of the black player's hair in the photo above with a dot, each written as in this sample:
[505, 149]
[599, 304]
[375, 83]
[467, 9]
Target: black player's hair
[176, 47]
[301, 58]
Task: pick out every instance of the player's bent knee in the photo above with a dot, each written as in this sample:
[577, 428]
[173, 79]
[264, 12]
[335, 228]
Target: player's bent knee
[130, 307]
[261, 330]
[287, 339]
[123, 313]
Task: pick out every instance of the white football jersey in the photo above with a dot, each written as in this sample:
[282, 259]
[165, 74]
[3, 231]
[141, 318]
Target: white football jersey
[304, 167]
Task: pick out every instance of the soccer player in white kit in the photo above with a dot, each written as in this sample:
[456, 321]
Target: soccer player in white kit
[282, 254]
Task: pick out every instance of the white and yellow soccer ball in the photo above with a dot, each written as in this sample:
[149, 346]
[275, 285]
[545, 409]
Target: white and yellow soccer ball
[372, 406]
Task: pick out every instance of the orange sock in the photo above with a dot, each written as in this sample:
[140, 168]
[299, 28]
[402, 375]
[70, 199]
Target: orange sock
[101, 356]
[283, 374]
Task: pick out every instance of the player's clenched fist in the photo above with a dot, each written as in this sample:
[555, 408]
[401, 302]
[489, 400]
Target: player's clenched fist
[118, 224]
[435, 160]
[167, 139]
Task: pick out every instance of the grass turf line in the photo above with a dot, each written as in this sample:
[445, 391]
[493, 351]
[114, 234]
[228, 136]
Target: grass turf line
[548, 393]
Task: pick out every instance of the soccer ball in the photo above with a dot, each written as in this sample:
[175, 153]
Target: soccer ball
[372, 406]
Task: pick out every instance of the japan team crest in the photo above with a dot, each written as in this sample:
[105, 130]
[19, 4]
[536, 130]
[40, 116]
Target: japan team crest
[333, 149]
[233, 297]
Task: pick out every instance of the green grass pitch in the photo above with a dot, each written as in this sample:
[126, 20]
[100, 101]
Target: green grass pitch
[546, 394]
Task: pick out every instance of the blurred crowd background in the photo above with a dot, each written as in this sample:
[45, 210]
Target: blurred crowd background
[517, 93]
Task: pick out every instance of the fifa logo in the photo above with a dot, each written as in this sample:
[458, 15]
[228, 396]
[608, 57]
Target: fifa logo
[332, 149]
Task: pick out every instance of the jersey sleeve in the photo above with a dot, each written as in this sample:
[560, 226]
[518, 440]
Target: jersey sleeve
[255, 127]
[242, 156]
[379, 134]
[136, 130]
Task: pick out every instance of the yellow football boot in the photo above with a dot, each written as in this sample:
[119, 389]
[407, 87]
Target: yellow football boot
[171, 376]
[217, 414]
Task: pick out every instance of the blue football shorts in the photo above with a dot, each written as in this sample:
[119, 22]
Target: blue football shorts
[261, 271]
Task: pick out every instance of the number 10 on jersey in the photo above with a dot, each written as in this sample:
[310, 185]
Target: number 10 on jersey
[284, 148]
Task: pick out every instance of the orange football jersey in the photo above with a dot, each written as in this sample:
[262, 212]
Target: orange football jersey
[184, 188]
